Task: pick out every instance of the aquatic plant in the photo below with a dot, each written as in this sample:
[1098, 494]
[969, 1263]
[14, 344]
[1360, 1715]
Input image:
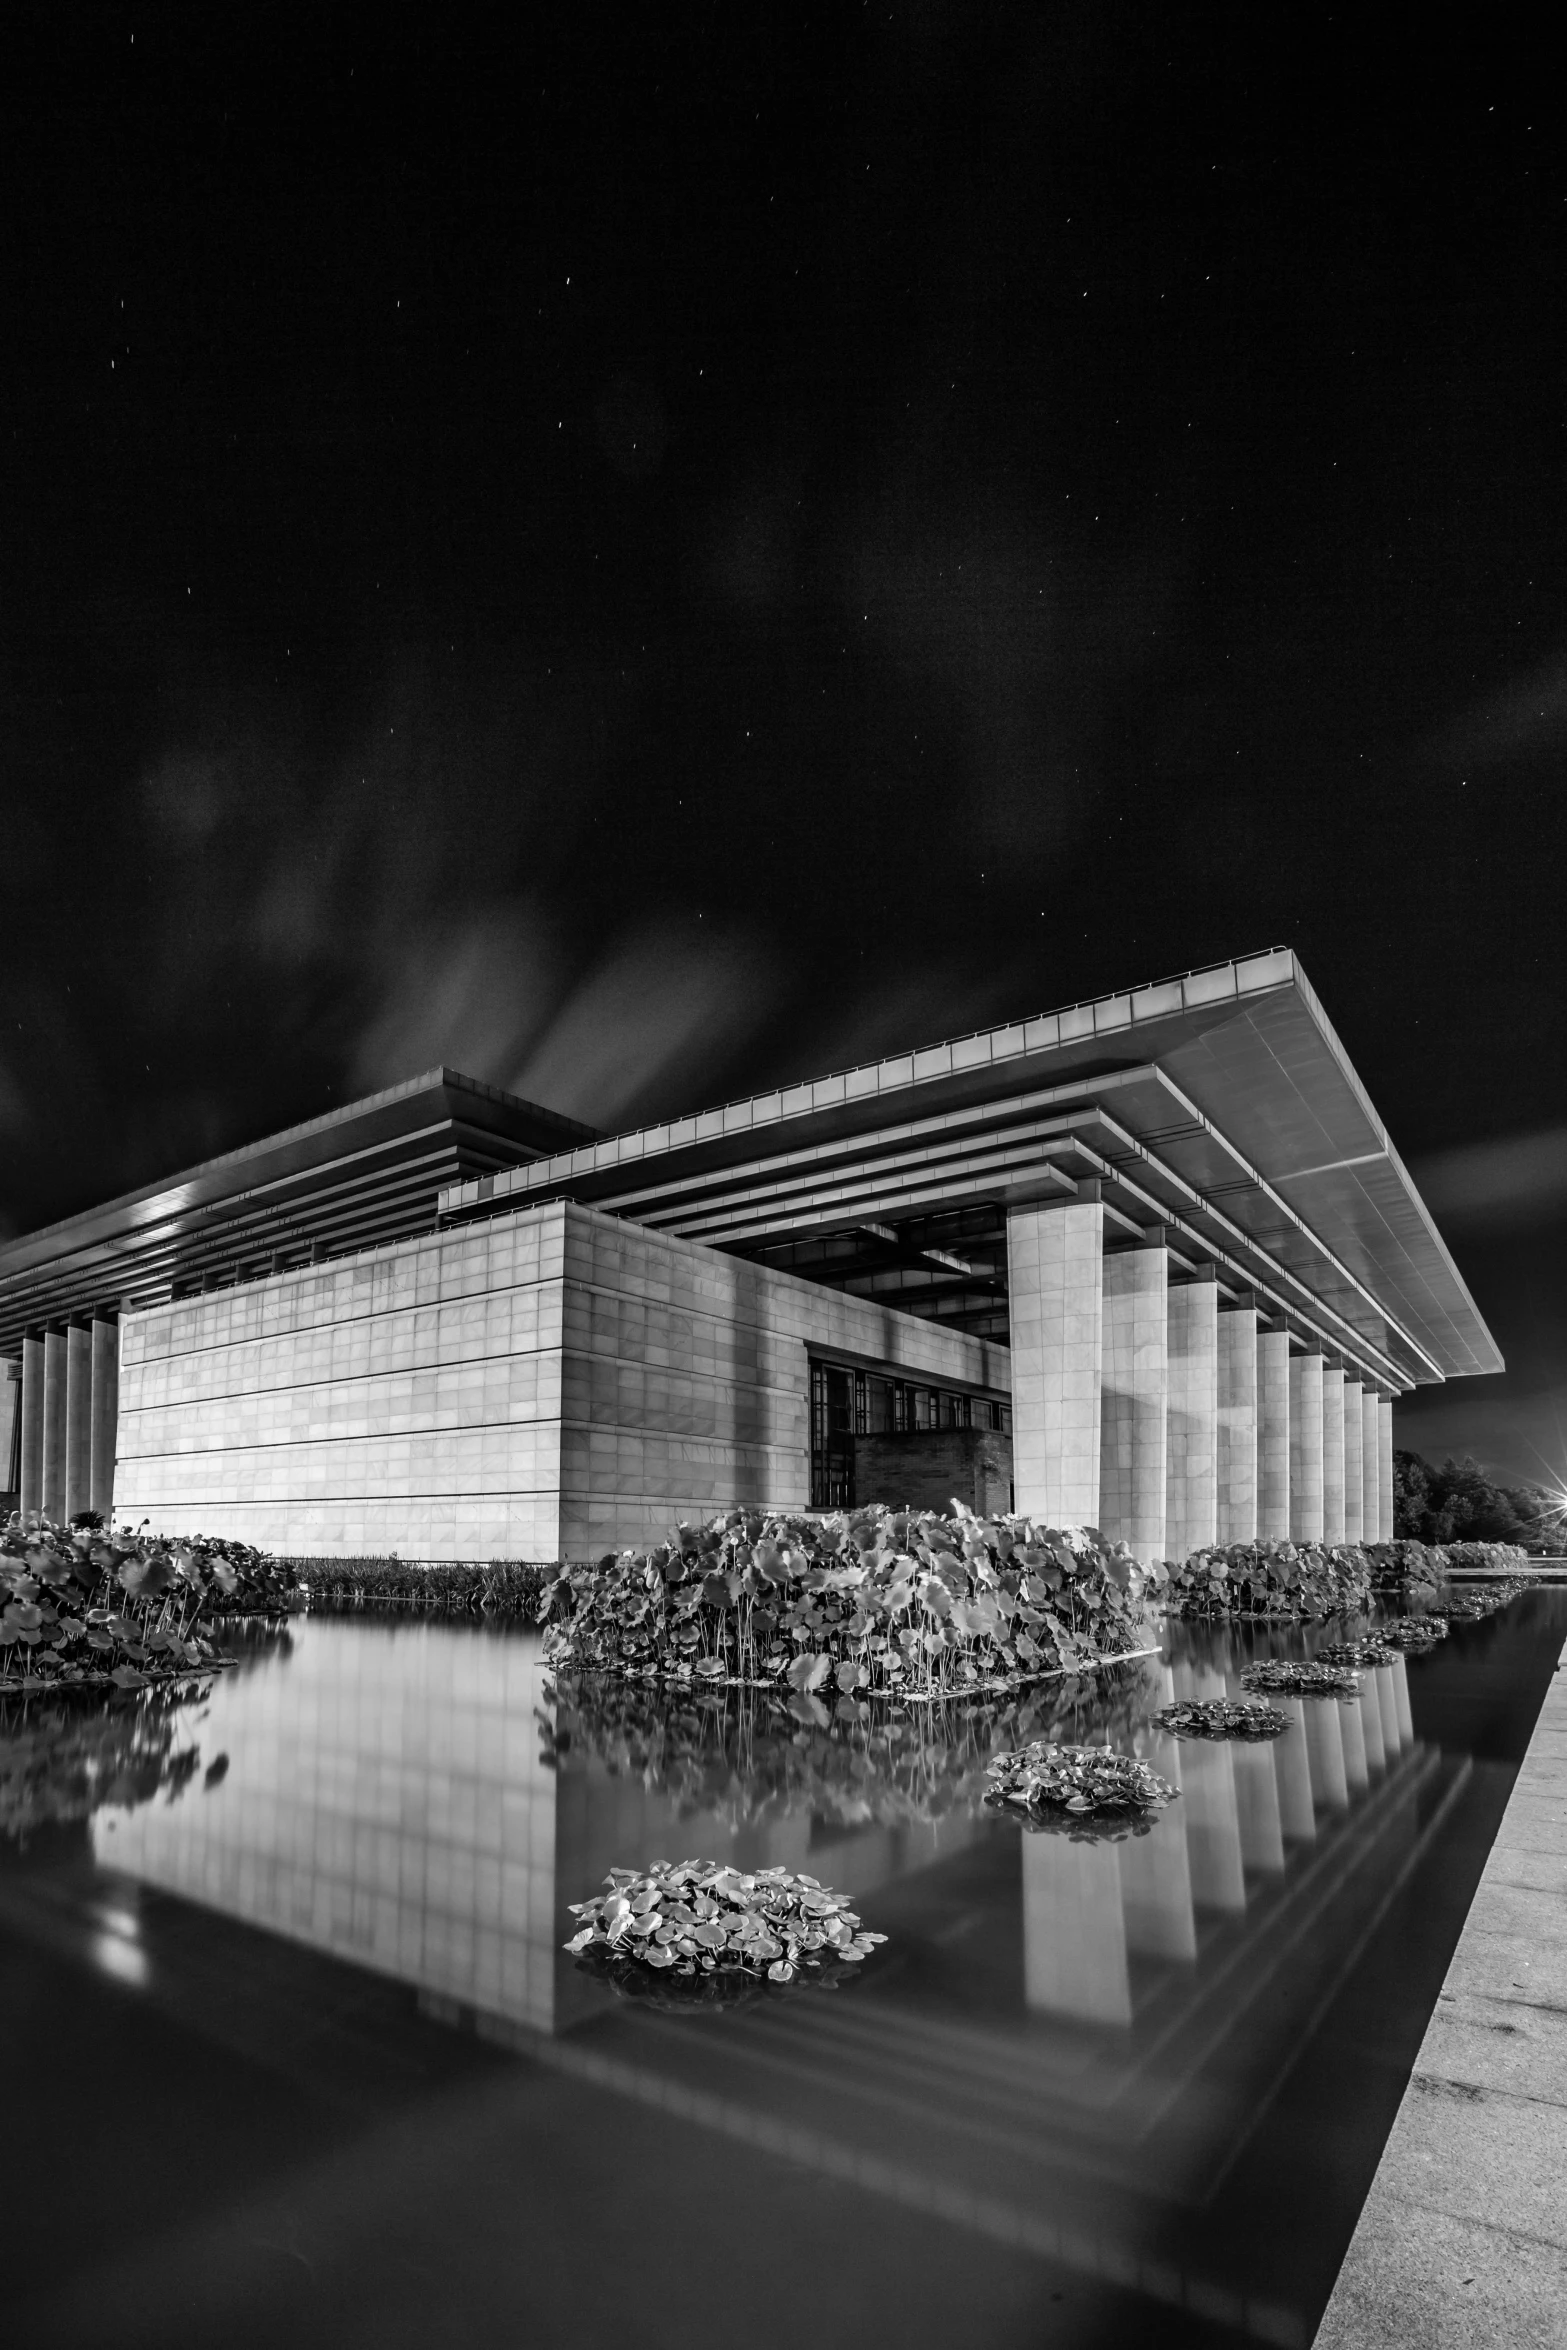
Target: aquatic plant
[1302, 1680]
[85, 1608]
[1412, 1569]
[1221, 1717]
[692, 1918]
[1374, 1651]
[746, 1756]
[66, 1761]
[1288, 1579]
[1040, 1778]
[1472, 1607]
[871, 1602]
[1413, 1632]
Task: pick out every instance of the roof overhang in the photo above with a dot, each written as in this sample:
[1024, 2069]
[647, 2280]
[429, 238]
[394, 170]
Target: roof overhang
[1221, 1102]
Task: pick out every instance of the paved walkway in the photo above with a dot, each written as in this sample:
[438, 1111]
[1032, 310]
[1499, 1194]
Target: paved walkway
[1463, 2239]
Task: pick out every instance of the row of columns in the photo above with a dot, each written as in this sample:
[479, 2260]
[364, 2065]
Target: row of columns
[1144, 1407]
[69, 1418]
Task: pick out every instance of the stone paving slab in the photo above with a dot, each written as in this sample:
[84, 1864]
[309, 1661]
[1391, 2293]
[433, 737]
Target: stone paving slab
[1463, 2239]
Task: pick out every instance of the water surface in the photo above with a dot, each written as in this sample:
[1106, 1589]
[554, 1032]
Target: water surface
[294, 2052]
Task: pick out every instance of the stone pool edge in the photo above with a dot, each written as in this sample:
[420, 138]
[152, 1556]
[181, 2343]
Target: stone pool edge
[1463, 2238]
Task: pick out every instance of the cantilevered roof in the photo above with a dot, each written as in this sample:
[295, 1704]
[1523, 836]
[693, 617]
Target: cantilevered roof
[1221, 1103]
[368, 1172]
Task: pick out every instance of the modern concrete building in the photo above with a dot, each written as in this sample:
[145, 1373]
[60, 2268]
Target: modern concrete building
[1151, 1262]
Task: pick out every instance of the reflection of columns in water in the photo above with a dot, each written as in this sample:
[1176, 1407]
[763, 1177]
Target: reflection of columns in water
[1399, 1678]
[1074, 1934]
[1371, 1722]
[1325, 1753]
[1156, 1885]
[1352, 1730]
[1213, 1834]
[1292, 1770]
[1257, 1806]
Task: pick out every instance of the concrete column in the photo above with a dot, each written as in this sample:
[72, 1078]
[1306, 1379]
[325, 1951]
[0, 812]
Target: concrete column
[54, 1425]
[1354, 1464]
[32, 1423]
[1306, 1448]
[1191, 1449]
[1373, 1529]
[105, 1412]
[78, 1419]
[1132, 1410]
[1054, 1259]
[1385, 1466]
[1332, 1453]
[1237, 1510]
[1273, 1435]
[10, 1418]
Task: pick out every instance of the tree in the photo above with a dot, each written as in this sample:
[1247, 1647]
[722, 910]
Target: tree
[1459, 1503]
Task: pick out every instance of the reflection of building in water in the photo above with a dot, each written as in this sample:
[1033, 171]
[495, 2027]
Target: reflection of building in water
[1091, 1910]
[385, 1802]
[1062, 2041]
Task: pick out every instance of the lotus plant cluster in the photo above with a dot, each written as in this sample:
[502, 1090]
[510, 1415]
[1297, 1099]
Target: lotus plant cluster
[1472, 1607]
[869, 1603]
[1302, 1680]
[1076, 1780]
[1362, 1654]
[1413, 1634]
[692, 1919]
[1288, 1579]
[86, 1608]
[1221, 1717]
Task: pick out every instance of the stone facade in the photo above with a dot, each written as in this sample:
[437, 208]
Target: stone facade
[926, 1468]
[554, 1383]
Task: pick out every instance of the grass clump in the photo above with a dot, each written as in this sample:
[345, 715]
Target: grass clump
[869, 1603]
[503, 1587]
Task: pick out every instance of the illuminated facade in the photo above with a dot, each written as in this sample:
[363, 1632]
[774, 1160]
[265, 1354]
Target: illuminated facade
[1150, 1262]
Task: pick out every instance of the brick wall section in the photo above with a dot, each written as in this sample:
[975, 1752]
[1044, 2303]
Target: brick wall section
[929, 1467]
[551, 1383]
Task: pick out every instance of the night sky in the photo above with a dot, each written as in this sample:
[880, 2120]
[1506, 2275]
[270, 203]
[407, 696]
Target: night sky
[643, 560]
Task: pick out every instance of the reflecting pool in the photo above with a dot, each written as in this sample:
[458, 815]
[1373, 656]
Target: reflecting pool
[293, 2050]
